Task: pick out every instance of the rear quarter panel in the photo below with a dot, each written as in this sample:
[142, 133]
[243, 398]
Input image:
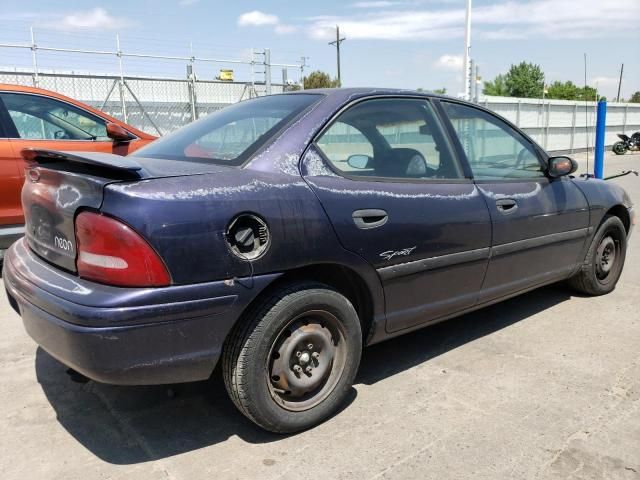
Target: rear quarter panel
[185, 219]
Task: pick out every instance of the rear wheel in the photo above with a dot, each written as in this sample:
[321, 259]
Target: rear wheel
[619, 148]
[291, 364]
[603, 264]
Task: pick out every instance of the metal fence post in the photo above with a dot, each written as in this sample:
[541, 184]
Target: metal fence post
[191, 87]
[34, 55]
[122, 89]
[573, 126]
[546, 127]
[303, 63]
[267, 69]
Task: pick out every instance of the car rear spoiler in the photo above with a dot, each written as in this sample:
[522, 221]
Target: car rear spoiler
[106, 162]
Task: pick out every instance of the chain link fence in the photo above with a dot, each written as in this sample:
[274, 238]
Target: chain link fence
[161, 105]
[154, 105]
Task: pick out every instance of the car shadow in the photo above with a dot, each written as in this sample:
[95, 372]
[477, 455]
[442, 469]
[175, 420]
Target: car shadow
[128, 425]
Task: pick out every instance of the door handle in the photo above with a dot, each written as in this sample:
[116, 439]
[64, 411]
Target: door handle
[506, 205]
[369, 218]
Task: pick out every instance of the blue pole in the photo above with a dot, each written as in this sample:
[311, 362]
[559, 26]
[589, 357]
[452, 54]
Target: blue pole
[600, 133]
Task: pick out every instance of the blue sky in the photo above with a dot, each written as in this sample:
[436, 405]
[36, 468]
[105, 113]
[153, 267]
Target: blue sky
[394, 43]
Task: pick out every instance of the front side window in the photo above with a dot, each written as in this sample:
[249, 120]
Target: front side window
[229, 136]
[41, 118]
[493, 148]
[389, 138]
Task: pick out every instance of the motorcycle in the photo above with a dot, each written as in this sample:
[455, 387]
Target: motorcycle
[628, 143]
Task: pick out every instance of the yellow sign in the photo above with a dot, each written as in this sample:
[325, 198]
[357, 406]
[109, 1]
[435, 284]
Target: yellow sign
[226, 75]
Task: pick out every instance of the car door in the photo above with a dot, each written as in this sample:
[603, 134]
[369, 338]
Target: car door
[539, 223]
[44, 122]
[11, 178]
[386, 175]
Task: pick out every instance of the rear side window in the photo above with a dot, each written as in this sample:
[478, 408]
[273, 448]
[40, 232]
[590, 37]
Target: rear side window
[395, 138]
[231, 135]
[42, 118]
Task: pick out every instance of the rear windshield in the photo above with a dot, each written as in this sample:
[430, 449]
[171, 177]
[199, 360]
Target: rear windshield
[231, 135]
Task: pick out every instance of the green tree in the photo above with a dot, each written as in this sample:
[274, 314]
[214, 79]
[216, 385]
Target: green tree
[319, 79]
[496, 88]
[525, 80]
[587, 93]
[635, 98]
[563, 90]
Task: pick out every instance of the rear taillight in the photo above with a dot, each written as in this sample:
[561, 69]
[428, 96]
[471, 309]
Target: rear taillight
[113, 253]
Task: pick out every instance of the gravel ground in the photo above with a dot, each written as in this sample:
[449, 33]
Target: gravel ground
[546, 385]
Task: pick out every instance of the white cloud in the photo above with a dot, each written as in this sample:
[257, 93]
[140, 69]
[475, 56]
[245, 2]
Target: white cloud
[96, 18]
[257, 18]
[451, 63]
[555, 19]
[410, 25]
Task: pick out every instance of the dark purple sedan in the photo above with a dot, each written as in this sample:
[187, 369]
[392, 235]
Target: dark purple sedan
[282, 234]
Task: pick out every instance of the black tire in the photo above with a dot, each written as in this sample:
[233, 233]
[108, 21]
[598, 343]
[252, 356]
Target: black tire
[600, 272]
[268, 339]
[619, 148]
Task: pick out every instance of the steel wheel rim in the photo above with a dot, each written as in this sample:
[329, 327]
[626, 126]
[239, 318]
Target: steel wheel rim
[618, 148]
[606, 257]
[306, 360]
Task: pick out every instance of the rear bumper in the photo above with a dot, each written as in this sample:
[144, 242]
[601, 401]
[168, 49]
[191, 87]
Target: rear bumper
[125, 336]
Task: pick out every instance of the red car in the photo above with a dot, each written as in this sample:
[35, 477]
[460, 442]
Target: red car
[33, 117]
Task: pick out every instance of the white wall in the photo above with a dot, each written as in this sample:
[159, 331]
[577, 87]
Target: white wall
[565, 124]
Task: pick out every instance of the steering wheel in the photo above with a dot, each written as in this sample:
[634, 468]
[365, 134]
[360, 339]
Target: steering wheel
[60, 135]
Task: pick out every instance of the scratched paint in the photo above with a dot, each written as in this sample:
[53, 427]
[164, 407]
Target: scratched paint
[315, 166]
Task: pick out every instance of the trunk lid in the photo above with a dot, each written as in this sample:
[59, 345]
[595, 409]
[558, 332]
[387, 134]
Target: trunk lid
[59, 184]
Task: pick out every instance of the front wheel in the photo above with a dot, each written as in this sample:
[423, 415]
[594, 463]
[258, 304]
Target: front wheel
[290, 364]
[603, 264]
[619, 148]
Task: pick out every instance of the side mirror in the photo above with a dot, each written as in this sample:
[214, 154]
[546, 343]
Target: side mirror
[118, 134]
[561, 166]
[358, 162]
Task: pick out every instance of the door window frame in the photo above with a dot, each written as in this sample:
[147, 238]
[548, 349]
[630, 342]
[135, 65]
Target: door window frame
[446, 134]
[7, 127]
[5, 111]
[540, 154]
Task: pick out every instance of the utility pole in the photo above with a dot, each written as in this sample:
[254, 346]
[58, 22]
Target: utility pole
[477, 80]
[337, 43]
[471, 82]
[303, 64]
[620, 83]
[467, 51]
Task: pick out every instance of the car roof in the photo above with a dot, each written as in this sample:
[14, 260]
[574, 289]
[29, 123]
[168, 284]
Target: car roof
[366, 91]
